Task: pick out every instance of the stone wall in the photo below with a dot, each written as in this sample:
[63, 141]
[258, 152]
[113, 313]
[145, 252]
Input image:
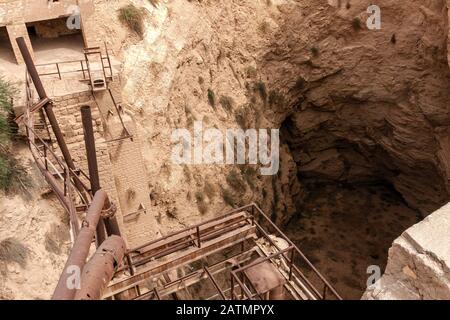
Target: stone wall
[67, 111]
[419, 262]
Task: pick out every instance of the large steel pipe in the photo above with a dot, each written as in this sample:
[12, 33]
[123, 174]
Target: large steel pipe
[67, 285]
[110, 224]
[100, 269]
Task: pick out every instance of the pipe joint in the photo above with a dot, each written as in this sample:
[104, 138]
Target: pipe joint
[109, 212]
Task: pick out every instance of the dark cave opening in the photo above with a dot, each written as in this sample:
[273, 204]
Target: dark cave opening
[347, 222]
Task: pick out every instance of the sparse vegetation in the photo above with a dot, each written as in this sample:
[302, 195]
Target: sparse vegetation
[55, 238]
[276, 99]
[264, 27]
[228, 197]
[131, 194]
[210, 190]
[227, 103]
[235, 181]
[211, 98]
[12, 250]
[12, 174]
[394, 39]
[315, 52]
[300, 84]
[250, 175]
[260, 87]
[133, 18]
[242, 115]
[201, 203]
[251, 72]
[356, 24]
[187, 174]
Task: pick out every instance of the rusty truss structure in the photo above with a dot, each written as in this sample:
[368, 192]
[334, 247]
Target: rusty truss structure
[241, 255]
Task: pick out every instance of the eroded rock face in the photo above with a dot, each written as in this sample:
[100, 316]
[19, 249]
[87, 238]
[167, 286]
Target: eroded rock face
[419, 262]
[367, 105]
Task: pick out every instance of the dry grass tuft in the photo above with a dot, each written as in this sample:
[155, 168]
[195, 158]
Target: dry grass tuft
[12, 250]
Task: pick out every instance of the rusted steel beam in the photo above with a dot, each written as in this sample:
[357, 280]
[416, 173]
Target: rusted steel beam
[110, 224]
[89, 141]
[100, 269]
[80, 249]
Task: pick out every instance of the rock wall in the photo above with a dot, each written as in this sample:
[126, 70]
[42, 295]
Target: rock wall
[355, 105]
[419, 263]
[366, 105]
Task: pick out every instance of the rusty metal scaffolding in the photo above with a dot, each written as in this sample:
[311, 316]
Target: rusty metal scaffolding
[71, 187]
[241, 255]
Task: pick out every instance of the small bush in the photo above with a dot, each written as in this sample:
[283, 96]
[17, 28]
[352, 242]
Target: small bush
[201, 203]
[211, 98]
[251, 72]
[227, 103]
[235, 181]
[200, 196]
[394, 39]
[276, 99]
[356, 24]
[300, 84]
[260, 87]
[250, 174]
[210, 190]
[228, 198]
[12, 250]
[133, 18]
[264, 27]
[315, 52]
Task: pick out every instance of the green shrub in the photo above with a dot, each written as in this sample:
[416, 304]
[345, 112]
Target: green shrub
[227, 103]
[12, 250]
[211, 98]
[12, 174]
[210, 190]
[356, 24]
[260, 87]
[276, 99]
[228, 197]
[133, 18]
[235, 181]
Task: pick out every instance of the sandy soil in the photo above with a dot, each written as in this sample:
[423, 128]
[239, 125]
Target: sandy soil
[41, 225]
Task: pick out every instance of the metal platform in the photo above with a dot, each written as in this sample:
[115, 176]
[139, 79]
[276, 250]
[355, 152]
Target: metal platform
[230, 257]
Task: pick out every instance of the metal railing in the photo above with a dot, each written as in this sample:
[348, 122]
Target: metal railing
[196, 235]
[59, 176]
[76, 67]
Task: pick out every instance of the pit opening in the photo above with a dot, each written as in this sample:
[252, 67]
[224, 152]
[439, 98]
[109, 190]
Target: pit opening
[352, 211]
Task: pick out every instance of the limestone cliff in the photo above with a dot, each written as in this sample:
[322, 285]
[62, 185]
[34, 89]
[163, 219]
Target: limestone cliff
[419, 263]
[355, 105]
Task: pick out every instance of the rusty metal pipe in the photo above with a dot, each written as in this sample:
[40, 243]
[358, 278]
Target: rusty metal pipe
[110, 224]
[100, 269]
[31, 68]
[80, 249]
[89, 141]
